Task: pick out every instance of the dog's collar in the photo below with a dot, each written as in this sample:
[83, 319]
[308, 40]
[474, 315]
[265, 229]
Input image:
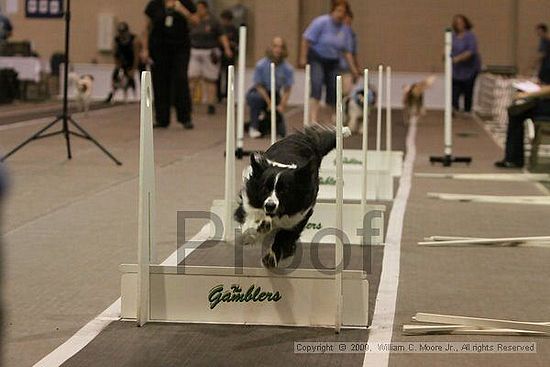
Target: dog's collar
[282, 165]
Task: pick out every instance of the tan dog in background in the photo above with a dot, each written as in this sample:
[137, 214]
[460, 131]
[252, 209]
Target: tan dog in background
[413, 98]
[83, 86]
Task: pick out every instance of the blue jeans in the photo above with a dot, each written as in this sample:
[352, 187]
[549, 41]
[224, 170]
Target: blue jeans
[323, 72]
[258, 105]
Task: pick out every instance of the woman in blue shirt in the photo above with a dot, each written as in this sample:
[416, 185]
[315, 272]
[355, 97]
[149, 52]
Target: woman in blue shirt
[258, 97]
[466, 61]
[325, 40]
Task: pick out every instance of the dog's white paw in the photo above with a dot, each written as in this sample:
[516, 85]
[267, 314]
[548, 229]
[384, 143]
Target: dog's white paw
[265, 225]
[346, 132]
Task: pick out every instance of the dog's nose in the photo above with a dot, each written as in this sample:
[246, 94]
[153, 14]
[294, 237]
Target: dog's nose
[270, 207]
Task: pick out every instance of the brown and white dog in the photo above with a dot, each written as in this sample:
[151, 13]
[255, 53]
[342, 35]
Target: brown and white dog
[413, 98]
[84, 87]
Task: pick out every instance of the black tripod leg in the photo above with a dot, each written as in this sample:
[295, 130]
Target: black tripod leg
[67, 138]
[89, 137]
[33, 137]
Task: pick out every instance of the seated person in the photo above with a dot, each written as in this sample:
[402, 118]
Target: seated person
[258, 97]
[526, 106]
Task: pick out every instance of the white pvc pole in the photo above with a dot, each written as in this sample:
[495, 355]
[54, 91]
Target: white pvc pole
[365, 146]
[146, 220]
[448, 93]
[229, 155]
[273, 106]
[339, 245]
[240, 86]
[307, 92]
[388, 109]
[379, 109]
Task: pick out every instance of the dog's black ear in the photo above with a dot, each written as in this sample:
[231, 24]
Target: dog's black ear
[258, 163]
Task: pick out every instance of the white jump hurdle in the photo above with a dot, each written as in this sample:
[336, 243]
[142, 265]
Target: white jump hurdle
[221, 295]
[382, 166]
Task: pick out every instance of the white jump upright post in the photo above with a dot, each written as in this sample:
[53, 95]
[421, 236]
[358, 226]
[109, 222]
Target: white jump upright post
[228, 232]
[447, 159]
[273, 106]
[365, 144]
[240, 87]
[146, 220]
[307, 92]
[339, 244]
[379, 110]
[388, 110]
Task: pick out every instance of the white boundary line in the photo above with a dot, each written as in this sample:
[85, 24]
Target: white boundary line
[92, 329]
[381, 328]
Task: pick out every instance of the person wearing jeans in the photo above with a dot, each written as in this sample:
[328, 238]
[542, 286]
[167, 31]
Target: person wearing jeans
[324, 41]
[536, 106]
[258, 97]
[466, 61]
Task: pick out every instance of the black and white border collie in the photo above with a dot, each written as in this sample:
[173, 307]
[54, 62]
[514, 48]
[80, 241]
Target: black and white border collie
[280, 190]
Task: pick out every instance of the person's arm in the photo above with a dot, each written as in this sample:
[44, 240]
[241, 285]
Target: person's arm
[265, 95]
[224, 40]
[284, 99]
[471, 49]
[352, 65]
[188, 14]
[311, 35]
[137, 49]
[544, 91]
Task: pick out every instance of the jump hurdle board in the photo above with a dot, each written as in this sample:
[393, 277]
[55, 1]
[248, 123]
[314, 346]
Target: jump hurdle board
[197, 294]
[324, 216]
[379, 186]
[376, 161]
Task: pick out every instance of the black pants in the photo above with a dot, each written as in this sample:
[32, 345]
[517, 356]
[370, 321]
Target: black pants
[170, 83]
[515, 132]
[466, 88]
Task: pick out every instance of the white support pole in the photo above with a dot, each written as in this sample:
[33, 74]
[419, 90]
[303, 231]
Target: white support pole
[448, 93]
[307, 92]
[229, 156]
[339, 245]
[379, 109]
[240, 86]
[388, 109]
[365, 145]
[146, 220]
[273, 106]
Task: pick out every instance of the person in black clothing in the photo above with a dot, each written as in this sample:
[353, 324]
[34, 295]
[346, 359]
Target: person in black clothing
[126, 61]
[166, 45]
[544, 53]
[532, 106]
[232, 33]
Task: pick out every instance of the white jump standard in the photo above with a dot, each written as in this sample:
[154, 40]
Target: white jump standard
[220, 294]
[447, 159]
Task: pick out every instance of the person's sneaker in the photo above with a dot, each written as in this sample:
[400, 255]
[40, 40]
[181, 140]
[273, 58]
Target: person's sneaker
[254, 134]
[211, 109]
[188, 125]
[506, 164]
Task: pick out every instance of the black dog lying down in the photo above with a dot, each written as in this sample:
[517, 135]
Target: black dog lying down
[281, 189]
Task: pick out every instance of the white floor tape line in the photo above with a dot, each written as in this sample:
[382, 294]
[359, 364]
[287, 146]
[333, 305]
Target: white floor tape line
[92, 329]
[381, 328]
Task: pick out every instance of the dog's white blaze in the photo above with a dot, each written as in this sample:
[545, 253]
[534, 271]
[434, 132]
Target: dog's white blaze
[273, 197]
